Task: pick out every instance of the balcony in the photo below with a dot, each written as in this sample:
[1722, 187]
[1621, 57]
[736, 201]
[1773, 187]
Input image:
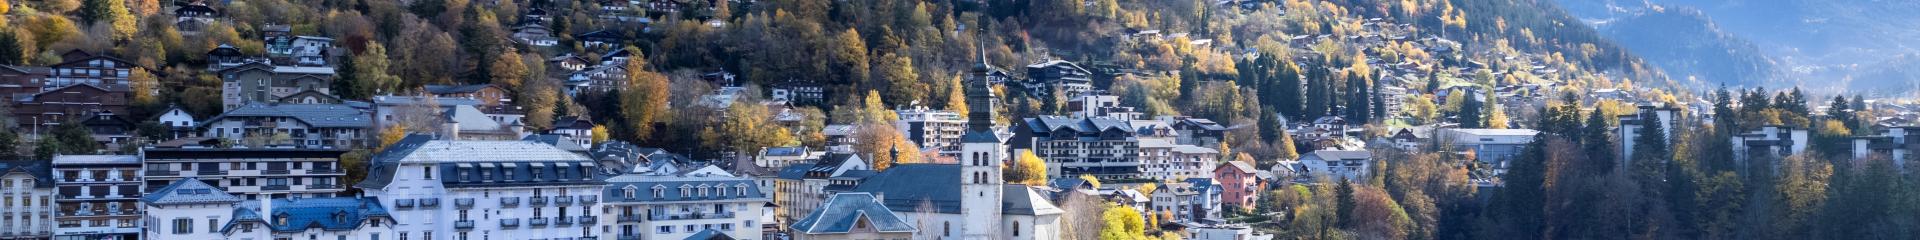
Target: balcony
[562, 201]
[162, 173]
[209, 172]
[403, 203]
[325, 186]
[325, 171]
[463, 203]
[563, 220]
[536, 221]
[430, 202]
[510, 223]
[509, 201]
[463, 224]
[588, 238]
[689, 216]
[275, 187]
[589, 219]
[537, 201]
[629, 218]
[589, 200]
[629, 237]
[275, 171]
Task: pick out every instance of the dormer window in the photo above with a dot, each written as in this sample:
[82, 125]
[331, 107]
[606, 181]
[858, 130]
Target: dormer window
[742, 188]
[280, 219]
[630, 191]
[659, 191]
[684, 190]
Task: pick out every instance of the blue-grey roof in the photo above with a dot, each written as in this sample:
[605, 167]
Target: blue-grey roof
[563, 142]
[786, 151]
[315, 115]
[709, 234]
[188, 191]
[908, 186]
[1070, 183]
[407, 100]
[300, 214]
[452, 89]
[1095, 124]
[841, 211]
[643, 185]
[795, 172]
[531, 172]
[42, 173]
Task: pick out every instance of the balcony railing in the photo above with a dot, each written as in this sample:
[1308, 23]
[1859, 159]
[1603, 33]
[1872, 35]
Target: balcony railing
[403, 203]
[629, 218]
[429, 202]
[510, 201]
[537, 201]
[589, 219]
[463, 203]
[689, 216]
[205, 172]
[536, 221]
[563, 220]
[325, 186]
[275, 187]
[589, 200]
[509, 223]
[562, 200]
[325, 171]
[162, 173]
[463, 224]
[588, 238]
[629, 237]
[276, 171]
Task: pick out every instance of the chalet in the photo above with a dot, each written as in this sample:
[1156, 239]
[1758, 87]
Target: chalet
[178, 122]
[596, 79]
[534, 31]
[193, 17]
[19, 82]
[1199, 132]
[257, 81]
[488, 94]
[336, 126]
[566, 63]
[71, 103]
[81, 67]
[579, 128]
[1058, 76]
[798, 92]
[225, 56]
[1337, 163]
[601, 39]
[1492, 146]
[109, 129]
[617, 56]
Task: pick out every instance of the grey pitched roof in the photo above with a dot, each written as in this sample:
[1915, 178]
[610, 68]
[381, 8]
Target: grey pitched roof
[42, 173]
[1022, 200]
[332, 214]
[95, 159]
[1238, 165]
[561, 141]
[188, 191]
[795, 171]
[1095, 124]
[316, 115]
[709, 234]
[1336, 155]
[453, 89]
[907, 186]
[406, 100]
[841, 211]
[643, 185]
[463, 163]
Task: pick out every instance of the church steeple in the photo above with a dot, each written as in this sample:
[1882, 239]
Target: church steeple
[980, 98]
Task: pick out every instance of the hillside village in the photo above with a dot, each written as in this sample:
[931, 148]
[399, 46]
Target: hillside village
[905, 119]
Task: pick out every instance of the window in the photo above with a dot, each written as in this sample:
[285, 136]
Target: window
[210, 225]
[665, 229]
[946, 229]
[629, 192]
[1016, 228]
[182, 226]
[659, 191]
[403, 235]
[428, 172]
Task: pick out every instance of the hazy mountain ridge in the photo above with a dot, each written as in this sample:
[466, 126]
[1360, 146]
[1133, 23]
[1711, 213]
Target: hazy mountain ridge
[1858, 45]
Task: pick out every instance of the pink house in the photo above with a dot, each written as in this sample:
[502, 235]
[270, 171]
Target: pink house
[1238, 184]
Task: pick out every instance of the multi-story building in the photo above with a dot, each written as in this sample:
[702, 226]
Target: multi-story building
[798, 92]
[458, 189]
[1156, 159]
[578, 127]
[1100, 105]
[1238, 185]
[1630, 124]
[20, 81]
[1769, 141]
[596, 79]
[42, 111]
[932, 129]
[853, 216]
[1191, 161]
[1337, 163]
[1896, 143]
[1103, 147]
[488, 94]
[1491, 146]
[1059, 76]
[801, 187]
[27, 189]
[250, 174]
[81, 67]
[676, 206]
[459, 118]
[258, 81]
[781, 157]
[98, 196]
[337, 126]
[1198, 131]
[191, 209]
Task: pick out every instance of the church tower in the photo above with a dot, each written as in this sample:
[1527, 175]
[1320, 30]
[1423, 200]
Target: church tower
[981, 157]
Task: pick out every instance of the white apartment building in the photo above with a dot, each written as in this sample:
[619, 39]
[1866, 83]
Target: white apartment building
[932, 129]
[450, 189]
[671, 207]
[27, 190]
[97, 197]
[192, 209]
[249, 173]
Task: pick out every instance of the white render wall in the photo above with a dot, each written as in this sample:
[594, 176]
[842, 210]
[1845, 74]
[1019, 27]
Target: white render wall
[418, 221]
[31, 207]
